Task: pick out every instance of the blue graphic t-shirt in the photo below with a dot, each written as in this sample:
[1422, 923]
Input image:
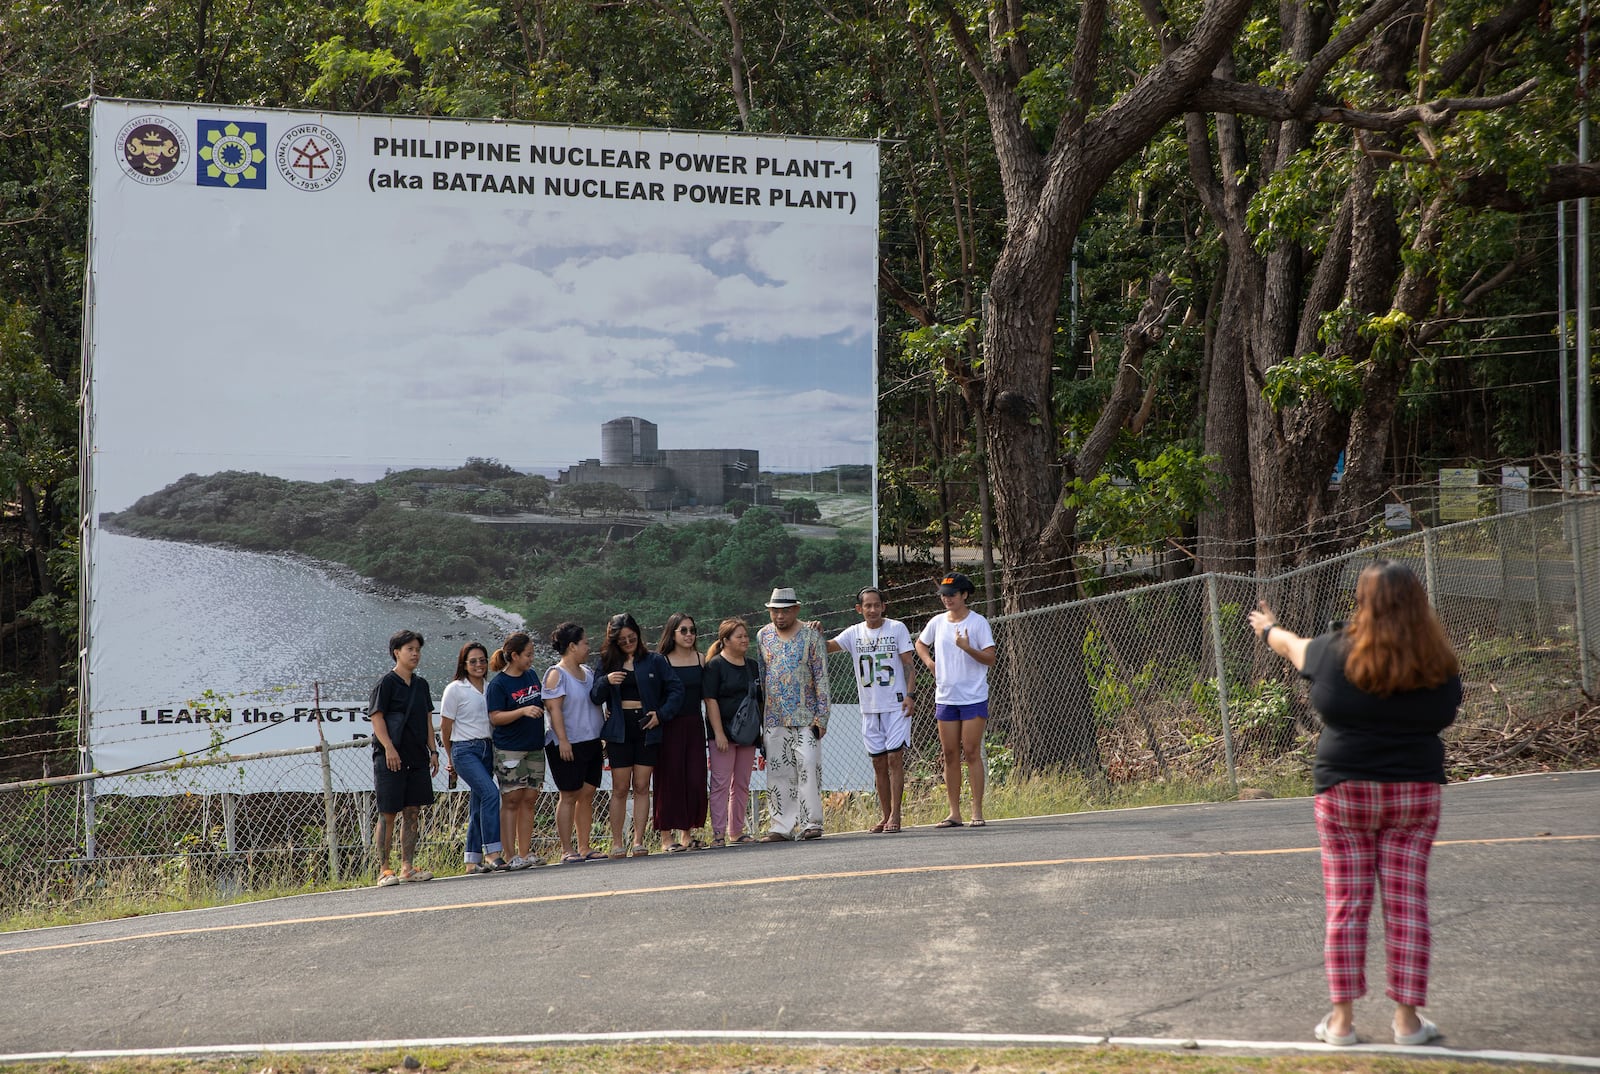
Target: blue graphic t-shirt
[507, 692]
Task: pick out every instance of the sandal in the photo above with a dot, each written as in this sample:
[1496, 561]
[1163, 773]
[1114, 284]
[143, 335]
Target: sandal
[640, 850]
[695, 843]
[670, 848]
[979, 823]
[718, 842]
[891, 829]
[949, 822]
[414, 876]
[571, 859]
[743, 839]
[774, 837]
[1327, 1036]
[596, 855]
[617, 852]
[387, 879]
[877, 829]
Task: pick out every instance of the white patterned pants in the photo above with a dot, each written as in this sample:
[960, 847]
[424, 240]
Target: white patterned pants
[794, 780]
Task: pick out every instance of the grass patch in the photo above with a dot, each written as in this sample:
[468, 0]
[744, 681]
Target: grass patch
[747, 1059]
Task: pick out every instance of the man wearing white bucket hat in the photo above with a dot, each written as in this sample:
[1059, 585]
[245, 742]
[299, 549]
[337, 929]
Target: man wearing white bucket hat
[795, 680]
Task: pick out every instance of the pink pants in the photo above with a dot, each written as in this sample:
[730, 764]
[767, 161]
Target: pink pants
[730, 788]
[1381, 831]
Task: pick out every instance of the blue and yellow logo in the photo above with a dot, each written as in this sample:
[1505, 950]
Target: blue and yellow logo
[231, 154]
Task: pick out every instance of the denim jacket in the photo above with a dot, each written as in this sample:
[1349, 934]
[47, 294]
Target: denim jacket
[660, 691]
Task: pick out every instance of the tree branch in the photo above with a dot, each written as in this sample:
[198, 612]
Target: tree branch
[1516, 13]
[1563, 182]
[1015, 150]
[1137, 339]
[1305, 87]
[1085, 62]
[1250, 100]
[913, 306]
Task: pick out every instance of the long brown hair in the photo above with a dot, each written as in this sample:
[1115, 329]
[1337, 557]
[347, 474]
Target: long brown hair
[1394, 641]
[669, 634]
[725, 631]
[513, 645]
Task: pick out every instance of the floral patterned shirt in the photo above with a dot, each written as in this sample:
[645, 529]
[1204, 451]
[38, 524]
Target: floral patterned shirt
[795, 679]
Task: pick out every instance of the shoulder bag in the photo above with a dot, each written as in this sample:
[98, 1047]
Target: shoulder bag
[744, 726]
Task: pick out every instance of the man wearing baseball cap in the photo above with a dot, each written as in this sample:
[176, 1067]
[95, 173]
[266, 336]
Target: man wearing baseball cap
[958, 647]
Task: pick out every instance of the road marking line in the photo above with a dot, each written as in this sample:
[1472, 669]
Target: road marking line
[810, 1036]
[760, 881]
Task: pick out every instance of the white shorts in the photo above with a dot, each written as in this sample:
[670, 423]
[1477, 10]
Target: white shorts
[885, 732]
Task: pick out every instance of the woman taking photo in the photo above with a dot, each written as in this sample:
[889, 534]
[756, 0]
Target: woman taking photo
[681, 769]
[512, 697]
[467, 735]
[575, 756]
[1385, 685]
[726, 682]
[639, 692]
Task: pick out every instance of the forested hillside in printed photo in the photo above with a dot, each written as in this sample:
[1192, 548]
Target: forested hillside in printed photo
[1149, 274]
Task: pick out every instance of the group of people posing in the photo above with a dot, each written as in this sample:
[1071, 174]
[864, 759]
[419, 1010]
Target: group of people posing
[679, 729]
[1385, 685]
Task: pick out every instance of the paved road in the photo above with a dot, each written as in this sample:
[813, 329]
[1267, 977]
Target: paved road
[1179, 922]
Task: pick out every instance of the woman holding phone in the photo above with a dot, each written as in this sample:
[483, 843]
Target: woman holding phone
[639, 692]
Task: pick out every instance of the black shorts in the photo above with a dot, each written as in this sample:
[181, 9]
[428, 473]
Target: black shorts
[585, 766]
[400, 790]
[634, 751]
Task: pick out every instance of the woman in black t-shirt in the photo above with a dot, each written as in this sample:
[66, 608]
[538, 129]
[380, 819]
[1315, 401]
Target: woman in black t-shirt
[725, 683]
[1385, 686]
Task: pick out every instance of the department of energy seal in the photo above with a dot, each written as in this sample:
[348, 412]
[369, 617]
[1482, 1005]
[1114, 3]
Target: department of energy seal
[310, 157]
[152, 150]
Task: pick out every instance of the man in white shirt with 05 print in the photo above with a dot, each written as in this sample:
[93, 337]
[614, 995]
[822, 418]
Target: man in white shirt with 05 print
[880, 652]
[958, 647]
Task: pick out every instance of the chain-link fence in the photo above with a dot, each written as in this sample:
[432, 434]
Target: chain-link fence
[1164, 682]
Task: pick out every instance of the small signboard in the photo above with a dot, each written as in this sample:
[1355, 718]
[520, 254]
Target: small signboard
[1397, 516]
[1458, 495]
[1513, 488]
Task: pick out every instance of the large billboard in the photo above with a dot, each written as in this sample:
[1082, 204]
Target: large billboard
[346, 374]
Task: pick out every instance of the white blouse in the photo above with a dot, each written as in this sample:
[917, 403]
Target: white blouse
[464, 704]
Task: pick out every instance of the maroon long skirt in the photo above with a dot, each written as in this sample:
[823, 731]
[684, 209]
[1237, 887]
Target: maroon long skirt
[680, 777]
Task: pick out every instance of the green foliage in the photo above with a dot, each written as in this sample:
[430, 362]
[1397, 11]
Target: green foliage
[1163, 493]
[800, 509]
[736, 507]
[599, 496]
[1335, 378]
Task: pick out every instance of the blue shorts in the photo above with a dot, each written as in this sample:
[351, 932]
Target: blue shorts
[978, 710]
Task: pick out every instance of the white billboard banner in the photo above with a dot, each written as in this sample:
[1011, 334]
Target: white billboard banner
[293, 297]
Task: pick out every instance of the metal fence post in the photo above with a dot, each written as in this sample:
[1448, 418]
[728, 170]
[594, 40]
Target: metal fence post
[1579, 592]
[1222, 676]
[88, 820]
[230, 810]
[329, 817]
[1430, 553]
[1538, 595]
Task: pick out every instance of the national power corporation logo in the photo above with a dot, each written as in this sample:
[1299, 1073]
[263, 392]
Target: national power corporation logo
[152, 150]
[231, 154]
[310, 157]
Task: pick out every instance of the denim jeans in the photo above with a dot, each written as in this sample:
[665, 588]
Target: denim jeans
[472, 758]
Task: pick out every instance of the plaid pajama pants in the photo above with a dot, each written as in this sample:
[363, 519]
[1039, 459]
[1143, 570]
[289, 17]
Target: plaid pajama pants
[1382, 832]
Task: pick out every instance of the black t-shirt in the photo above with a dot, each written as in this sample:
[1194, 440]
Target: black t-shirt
[726, 684]
[1392, 739]
[406, 708]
